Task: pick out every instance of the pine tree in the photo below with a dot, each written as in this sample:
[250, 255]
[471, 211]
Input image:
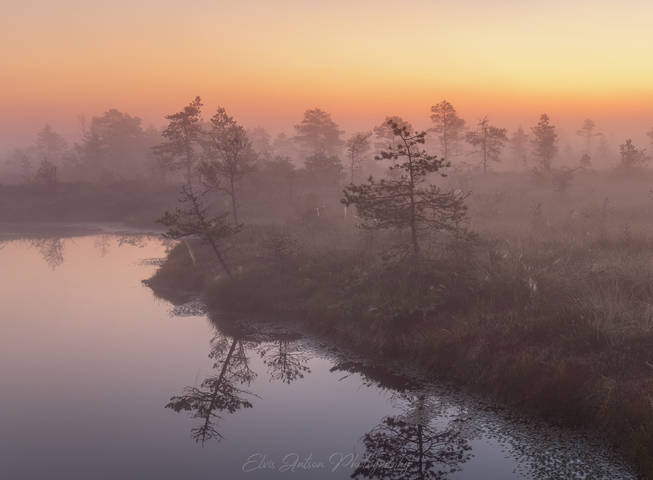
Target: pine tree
[632, 157]
[544, 143]
[182, 135]
[588, 133]
[318, 133]
[194, 220]
[403, 201]
[357, 146]
[228, 157]
[448, 126]
[488, 140]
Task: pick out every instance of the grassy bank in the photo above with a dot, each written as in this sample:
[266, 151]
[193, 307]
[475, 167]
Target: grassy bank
[564, 329]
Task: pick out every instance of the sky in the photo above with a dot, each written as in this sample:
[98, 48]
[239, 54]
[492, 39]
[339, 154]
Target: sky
[268, 61]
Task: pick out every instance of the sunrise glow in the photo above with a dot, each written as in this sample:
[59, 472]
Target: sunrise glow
[269, 61]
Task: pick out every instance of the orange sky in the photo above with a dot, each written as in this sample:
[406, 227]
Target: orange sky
[266, 62]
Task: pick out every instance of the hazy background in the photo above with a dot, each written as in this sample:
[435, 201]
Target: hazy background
[267, 62]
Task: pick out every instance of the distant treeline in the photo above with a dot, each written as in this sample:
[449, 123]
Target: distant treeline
[119, 170]
[116, 146]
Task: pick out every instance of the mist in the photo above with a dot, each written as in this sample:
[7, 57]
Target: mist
[339, 240]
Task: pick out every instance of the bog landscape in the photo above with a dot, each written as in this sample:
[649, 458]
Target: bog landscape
[326, 241]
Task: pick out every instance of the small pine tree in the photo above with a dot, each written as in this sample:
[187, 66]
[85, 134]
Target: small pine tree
[632, 157]
[182, 136]
[488, 140]
[403, 201]
[544, 143]
[588, 133]
[448, 126]
[357, 146]
[194, 219]
[229, 156]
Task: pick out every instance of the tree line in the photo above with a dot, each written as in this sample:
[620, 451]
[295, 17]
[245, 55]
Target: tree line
[116, 146]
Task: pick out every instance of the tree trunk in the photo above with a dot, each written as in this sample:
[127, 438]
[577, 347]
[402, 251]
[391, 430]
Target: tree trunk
[189, 163]
[219, 256]
[219, 382]
[413, 219]
[234, 208]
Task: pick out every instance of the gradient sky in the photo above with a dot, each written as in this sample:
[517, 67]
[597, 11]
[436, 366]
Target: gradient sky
[266, 62]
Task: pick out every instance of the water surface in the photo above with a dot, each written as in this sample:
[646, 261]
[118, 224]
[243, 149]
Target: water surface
[101, 380]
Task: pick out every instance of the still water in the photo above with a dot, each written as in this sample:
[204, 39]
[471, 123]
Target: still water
[101, 380]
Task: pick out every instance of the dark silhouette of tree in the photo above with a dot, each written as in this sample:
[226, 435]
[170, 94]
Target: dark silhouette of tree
[182, 135]
[411, 449]
[488, 141]
[404, 202]
[284, 361]
[519, 146]
[318, 133]
[632, 157]
[228, 157]
[217, 394]
[194, 219]
[544, 143]
[356, 147]
[588, 132]
[448, 126]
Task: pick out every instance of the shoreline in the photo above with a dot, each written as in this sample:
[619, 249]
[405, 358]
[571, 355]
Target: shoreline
[30, 229]
[471, 349]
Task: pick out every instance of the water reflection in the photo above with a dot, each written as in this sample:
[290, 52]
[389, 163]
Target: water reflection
[225, 391]
[407, 446]
[220, 393]
[286, 362]
[102, 244]
[430, 435]
[307, 398]
[413, 447]
[133, 240]
[51, 249]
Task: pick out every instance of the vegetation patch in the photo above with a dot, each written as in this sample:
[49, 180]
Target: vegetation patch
[518, 325]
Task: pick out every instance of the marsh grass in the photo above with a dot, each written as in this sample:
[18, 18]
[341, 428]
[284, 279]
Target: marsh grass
[549, 305]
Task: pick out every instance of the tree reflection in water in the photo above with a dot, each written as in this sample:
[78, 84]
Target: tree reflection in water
[285, 361]
[226, 391]
[411, 447]
[102, 244]
[51, 250]
[428, 438]
[219, 393]
[133, 240]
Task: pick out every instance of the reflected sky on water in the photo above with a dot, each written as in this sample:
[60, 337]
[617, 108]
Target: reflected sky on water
[100, 379]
